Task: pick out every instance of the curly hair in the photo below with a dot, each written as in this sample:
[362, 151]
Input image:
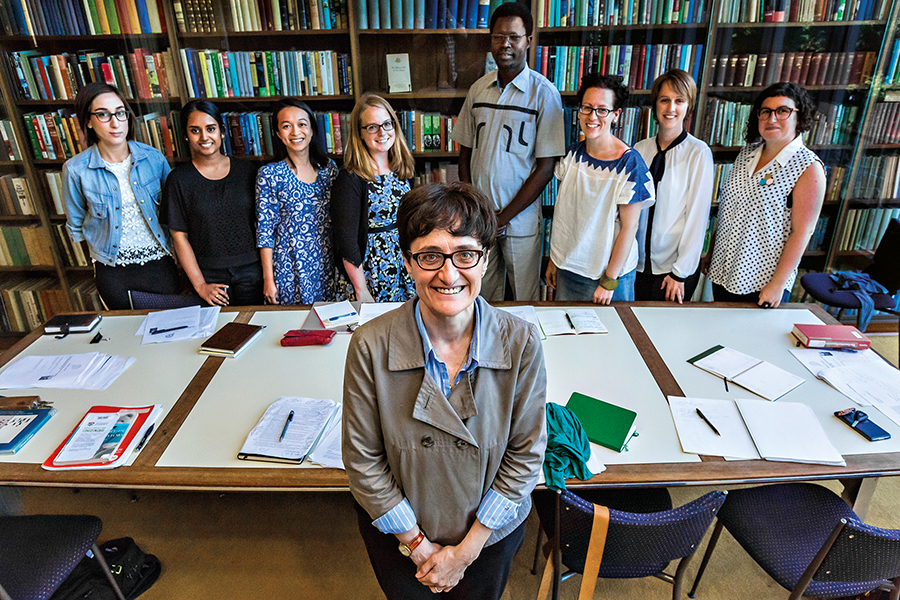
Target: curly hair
[806, 110]
[612, 83]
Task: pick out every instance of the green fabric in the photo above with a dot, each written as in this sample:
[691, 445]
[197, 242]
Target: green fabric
[568, 448]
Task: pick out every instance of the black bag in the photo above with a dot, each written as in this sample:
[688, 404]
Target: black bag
[134, 571]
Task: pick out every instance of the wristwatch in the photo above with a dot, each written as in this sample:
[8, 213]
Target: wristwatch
[407, 549]
[608, 283]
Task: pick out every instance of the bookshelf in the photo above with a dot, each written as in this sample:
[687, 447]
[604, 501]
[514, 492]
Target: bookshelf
[290, 43]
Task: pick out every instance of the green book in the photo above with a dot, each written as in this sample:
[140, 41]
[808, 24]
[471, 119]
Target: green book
[606, 424]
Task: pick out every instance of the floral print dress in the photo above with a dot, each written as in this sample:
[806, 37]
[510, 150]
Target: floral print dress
[385, 272]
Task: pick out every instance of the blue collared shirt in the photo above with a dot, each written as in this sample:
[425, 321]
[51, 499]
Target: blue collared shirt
[495, 510]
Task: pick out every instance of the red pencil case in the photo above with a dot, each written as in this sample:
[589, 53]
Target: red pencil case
[300, 337]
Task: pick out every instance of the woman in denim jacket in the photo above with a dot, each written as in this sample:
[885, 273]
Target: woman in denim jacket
[112, 200]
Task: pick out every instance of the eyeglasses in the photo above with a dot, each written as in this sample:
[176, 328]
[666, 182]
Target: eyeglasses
[461, 259]
[374, 127]
[104, 116]
[587, 110]
[781, 113]
[499, 38]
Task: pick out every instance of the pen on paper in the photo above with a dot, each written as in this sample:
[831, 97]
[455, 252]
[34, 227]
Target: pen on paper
[339, 317]
[154, 330]
[725, 379]
[705, 420]
[569, 319]
[145, 438]
[287, 422]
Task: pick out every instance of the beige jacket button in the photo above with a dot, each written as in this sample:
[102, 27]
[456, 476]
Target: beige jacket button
[427, 441]
[462, 444]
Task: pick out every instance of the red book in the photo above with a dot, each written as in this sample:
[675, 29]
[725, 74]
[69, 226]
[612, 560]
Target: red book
[545, 56]
[797, 67]
[804, 71]
[166, 136]
[786, 66]
[856, 68]
[830, 336]
[814, 66]
[823, 70]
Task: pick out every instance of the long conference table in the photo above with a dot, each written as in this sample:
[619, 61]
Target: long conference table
[211, 403]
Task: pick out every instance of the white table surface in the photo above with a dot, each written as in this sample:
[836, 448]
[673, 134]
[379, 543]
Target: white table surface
[683, 332]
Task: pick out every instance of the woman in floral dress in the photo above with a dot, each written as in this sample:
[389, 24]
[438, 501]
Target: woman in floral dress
[294, 224]
[377, 165]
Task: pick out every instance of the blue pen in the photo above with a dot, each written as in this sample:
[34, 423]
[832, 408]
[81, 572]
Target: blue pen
[338, 317]
[287, 422]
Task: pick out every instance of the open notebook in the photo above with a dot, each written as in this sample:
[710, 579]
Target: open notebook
[760, 377]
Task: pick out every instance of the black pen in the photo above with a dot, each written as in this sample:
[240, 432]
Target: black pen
[287, 422]
[705, 420]
[725, 379]
[145, 438]
[154, 330]
[569, 319]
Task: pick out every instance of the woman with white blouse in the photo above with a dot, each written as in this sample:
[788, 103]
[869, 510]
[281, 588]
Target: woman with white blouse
[670, 234]
[770, 202]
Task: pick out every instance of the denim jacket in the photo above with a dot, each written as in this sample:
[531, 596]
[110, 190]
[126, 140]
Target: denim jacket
[94, 204]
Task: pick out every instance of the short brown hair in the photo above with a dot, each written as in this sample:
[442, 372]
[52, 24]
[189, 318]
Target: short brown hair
[458, 207]
[85, 98]
[681, 82]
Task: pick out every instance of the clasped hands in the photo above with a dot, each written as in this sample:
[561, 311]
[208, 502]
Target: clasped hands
[440, 568]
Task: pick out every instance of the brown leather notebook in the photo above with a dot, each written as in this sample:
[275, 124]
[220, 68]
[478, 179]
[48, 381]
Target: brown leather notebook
[231, 339]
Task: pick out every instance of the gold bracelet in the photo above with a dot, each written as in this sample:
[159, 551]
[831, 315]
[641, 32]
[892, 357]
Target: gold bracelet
[608, 283]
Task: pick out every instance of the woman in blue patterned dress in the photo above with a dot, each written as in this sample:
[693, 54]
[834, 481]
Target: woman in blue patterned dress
[367, 192]
[294, 226]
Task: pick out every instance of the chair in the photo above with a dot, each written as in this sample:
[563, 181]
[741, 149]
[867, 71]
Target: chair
[885, 269]
[635, 545]
[38, 552]
[809, 541]
[160, 301]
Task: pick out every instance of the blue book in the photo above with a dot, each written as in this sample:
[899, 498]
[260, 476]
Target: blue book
[384, 7]
[325, 14]
[441, 14]
[408, 18]
[374, 11]
[396, 14]
[472, 14]
[362, 15]
[143, 15]
[431, 10]
[452, 14]
[696, 72]
[484, 7]
[19, 426]
[462, 9]
[419, 16]
[19, 14]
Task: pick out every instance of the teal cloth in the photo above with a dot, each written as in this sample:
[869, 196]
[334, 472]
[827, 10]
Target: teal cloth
[568, 448]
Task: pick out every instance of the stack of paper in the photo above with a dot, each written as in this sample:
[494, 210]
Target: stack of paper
[91, 371]
[864, 377]
[291, 429]
[336, 315]
[783, 431]
[188, 323]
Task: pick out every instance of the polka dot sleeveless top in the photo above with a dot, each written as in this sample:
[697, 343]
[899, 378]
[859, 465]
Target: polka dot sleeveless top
[754, 219]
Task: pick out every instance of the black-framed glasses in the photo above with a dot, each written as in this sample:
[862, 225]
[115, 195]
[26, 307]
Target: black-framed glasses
[587, 110]
[374, 127]
[499, 38]
[461, 259]
[104, 116]
[781, 113]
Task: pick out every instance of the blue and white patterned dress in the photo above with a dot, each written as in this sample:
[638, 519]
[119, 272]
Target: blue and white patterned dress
[293, 219]
[385, 272]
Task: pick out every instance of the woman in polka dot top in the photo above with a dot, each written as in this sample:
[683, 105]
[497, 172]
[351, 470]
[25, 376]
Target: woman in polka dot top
[770, 202]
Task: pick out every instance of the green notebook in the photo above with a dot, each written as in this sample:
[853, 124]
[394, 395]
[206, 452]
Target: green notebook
[605, 424]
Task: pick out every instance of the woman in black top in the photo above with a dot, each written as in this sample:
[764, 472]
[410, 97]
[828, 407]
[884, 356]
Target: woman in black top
[209, 206]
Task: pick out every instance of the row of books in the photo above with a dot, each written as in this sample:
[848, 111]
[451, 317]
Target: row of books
[15, 196]
[802, 68]
[11, 148]
[835, 177]
[23, 246]
[638, 64]
[54, 135]
[427, 132]
[73, 255]
[141, 74]
[801, 11]
[28, 302]
[885, 127]
[594, 13]
[214, 74]
[82, 17]
[424, 14]
[54, 186]
[443, 171]
[288, 15]
[892, 74]
[865, 227]
[878, 177]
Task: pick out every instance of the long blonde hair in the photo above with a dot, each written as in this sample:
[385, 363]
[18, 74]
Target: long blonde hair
[356, 155]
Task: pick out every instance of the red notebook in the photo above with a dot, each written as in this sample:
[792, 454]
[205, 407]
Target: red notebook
[831, 336]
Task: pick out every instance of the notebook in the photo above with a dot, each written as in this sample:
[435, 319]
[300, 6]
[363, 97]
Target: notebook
[19, 426]
[76, 323]
[231, 339]
[760, 377]
[606, 424]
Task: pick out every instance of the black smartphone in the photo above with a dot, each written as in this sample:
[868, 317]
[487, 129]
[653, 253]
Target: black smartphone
[864, 426]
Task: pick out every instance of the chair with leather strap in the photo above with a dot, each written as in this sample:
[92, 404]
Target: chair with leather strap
[809, 541]
[37, 553]
[598, 541]
[161, 301]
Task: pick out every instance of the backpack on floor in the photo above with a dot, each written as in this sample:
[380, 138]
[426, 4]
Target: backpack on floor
[133, 569]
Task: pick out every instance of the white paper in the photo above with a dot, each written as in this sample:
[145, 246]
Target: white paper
[571, 321]
[891, 412]
[727, 363]
[91, 370]
[697, 437]
[182, 323]
[85, 443]
[337, 314]
[788, 431]
[768, 381]
[526, 313]
[398, 73]
[311, 418]
[863, 376]
[209, 316]
[370, 310]
[12, 425]
[327, 452]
